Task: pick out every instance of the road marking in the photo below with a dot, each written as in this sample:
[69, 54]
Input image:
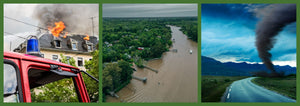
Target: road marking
[228, 95]
[229, 89]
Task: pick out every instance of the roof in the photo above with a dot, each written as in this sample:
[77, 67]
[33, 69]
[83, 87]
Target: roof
[34, 58]
[46, 39]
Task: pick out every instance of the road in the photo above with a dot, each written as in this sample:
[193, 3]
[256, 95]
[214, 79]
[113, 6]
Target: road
[246, 91]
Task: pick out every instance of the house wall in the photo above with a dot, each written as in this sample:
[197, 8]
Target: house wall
[48, 55]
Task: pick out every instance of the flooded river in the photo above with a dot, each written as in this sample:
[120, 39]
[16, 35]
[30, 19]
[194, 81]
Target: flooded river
[176, 80]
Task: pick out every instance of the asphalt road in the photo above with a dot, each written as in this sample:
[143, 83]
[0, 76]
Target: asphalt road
[246, 91]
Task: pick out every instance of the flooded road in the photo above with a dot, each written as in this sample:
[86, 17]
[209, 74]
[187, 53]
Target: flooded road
[176, 80]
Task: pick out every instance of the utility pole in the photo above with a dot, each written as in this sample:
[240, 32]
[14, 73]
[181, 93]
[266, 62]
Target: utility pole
[92, 18]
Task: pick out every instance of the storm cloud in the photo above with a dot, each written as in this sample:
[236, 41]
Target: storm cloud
[274, 18]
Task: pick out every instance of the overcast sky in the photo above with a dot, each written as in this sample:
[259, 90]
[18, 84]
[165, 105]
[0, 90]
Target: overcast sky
[228, 34]
[149, 10]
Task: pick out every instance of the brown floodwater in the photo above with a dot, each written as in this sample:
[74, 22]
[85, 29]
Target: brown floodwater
[176, 80]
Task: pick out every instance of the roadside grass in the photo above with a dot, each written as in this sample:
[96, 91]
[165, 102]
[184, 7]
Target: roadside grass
[285, 86]
[213, 87]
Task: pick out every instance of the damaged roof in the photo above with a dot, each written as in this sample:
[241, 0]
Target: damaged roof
[46, 39]
[46, 43]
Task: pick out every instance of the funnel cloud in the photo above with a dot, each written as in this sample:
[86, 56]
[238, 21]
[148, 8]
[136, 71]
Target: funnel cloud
[273, 19]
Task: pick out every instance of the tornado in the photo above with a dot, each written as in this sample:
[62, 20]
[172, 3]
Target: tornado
[273, 19]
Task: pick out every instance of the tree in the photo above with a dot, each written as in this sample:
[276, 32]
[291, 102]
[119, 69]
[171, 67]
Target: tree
[59, 91]
[157, 49]
[126, 70]
[111, 76]
[92, 67]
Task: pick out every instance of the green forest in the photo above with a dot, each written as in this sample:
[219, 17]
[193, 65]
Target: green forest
[136, 40]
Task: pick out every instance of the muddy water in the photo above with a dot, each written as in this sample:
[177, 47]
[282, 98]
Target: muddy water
[176, 80]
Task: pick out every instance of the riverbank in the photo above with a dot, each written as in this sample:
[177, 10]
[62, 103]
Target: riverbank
[285, 86]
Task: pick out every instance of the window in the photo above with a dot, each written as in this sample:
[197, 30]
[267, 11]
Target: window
[57, 44]
[80, 61]
[55, 57]
[12, 92]
[74, 46]
[89, 48]
[41, 81]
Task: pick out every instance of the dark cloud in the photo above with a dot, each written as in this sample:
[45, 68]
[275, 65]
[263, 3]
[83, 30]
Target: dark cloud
[273, 20]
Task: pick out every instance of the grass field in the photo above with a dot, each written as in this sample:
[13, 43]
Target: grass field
[213, 87]
[285, 86]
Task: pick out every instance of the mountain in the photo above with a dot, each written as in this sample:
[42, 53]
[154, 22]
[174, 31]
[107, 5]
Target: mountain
[210, 66]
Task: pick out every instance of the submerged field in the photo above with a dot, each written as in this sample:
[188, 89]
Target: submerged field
[285, 86]
[213, 87]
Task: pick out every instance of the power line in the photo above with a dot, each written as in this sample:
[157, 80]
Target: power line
[14, 34]
[25, 23]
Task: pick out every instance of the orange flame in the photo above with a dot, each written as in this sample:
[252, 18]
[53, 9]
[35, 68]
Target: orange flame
[59, 27]
[65, 36]
[87, 37]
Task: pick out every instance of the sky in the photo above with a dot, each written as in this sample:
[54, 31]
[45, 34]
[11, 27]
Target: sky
[228, 34]
[149, 10]
[25, 13]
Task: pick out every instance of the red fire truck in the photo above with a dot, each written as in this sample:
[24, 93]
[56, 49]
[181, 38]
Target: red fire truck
[23, 72]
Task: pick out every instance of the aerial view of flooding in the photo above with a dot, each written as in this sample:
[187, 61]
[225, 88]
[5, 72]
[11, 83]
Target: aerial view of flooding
[176, 80]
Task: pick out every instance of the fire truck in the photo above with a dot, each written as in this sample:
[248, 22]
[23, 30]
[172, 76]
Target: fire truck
[23, 72]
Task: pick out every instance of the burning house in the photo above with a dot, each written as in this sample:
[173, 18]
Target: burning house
[62, 24]
[57, 41]
[77, 46]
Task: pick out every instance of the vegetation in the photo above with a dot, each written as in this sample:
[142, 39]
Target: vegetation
[63, 90]
[136, 40]
[283, 85]
[116, 74]
[213, 87]
[92, 67]
[59, 91]
[188, 27]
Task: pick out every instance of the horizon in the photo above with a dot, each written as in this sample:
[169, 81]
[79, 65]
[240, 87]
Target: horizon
[276, 63]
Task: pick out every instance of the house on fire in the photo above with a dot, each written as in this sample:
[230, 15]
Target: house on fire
[71, 46]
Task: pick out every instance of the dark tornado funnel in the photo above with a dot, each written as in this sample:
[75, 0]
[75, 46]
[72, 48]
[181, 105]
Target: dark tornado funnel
[274, 18]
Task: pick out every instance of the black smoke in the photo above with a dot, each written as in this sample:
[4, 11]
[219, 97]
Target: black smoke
[75, 16]
[274, 18]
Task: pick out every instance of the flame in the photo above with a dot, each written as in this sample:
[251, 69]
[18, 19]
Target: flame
[59, 27]
[65, 36]
[87, 37]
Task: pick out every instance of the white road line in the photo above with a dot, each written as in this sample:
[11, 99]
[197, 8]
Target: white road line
[229, 90]
[228, 95]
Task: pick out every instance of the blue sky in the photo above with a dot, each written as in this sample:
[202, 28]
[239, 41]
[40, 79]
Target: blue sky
[228, 34]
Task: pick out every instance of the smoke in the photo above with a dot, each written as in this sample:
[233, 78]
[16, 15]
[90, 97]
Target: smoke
[273, 19]
[75, 16]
